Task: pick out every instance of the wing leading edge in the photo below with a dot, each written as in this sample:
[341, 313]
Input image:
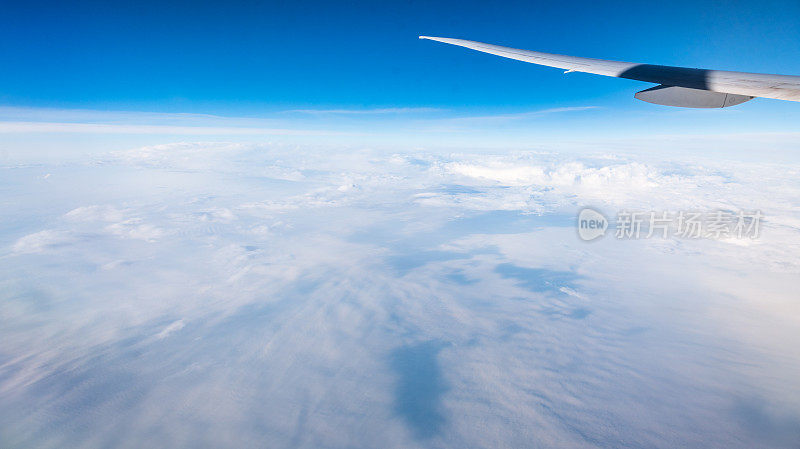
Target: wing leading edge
[679, 86]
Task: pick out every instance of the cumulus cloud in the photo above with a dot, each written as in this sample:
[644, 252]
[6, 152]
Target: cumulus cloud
[134, 228]
[41, 241]
[95, 213]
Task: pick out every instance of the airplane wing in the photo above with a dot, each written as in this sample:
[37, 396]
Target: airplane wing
[677, 86]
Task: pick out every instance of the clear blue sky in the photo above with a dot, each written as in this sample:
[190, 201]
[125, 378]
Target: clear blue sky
[229, 57]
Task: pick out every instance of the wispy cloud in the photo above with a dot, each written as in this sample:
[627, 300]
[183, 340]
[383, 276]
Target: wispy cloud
[104, 128]
[365, 111]
[175, 326]
[522, 115]
[27, 114]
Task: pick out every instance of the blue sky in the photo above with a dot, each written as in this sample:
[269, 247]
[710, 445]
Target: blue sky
[354, 73]
[247, 57]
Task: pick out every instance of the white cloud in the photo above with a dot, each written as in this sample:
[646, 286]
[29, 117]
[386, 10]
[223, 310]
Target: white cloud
[173, 327]
[501, 173]
[628, 176]
[104, 128]
[379, 111]
[95, 213]
[41, 241]
[218, 214]
[135, 228]
[215, 278]
[494, 118]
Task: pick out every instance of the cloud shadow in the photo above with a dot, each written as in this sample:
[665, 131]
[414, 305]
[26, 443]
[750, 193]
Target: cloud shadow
[420, 387]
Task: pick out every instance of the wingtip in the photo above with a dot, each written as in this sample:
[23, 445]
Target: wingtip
[447, 40]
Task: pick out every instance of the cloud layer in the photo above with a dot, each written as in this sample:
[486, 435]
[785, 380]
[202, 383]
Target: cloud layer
[233, 294]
